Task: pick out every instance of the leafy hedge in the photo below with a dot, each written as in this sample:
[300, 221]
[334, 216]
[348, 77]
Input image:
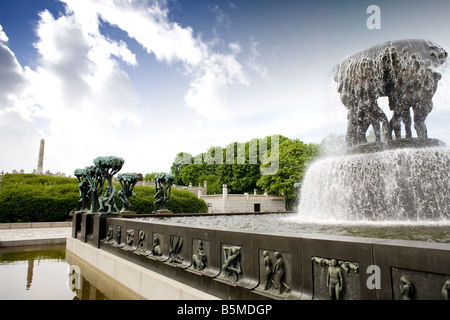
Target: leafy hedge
[181, 201]
[37, 198]
[40, 198]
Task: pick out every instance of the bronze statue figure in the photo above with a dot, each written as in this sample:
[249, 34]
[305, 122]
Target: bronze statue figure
[279, 274]
[163, 184]
[232, 262]
[127, 183]
[84, 187]
[156, 248]
[405, 71]
[335, 281]
[406, 288]
[199, 259]
[91, 183]
[268, 270]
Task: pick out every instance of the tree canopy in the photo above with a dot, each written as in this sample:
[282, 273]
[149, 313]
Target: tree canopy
[262, 164]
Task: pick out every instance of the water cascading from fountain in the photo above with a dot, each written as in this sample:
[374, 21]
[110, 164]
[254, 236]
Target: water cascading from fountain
[392, 179]
[402, 184]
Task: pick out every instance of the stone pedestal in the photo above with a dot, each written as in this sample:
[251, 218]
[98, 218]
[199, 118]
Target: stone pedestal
[396, 144]
[86, 226]
[125, 214]
[76, 223]
[163, 211]
[89, 227]
[99, 228]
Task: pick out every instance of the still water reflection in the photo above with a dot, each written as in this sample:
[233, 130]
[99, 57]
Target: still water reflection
[37, 272]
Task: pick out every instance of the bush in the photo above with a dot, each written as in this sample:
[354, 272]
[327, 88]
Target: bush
[181, 201]
[40, 198]
[37, 198]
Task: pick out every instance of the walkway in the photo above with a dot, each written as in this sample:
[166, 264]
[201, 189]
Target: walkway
[33, 234]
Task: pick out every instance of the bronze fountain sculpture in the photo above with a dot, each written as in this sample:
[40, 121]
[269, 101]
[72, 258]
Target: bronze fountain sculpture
[405, 71]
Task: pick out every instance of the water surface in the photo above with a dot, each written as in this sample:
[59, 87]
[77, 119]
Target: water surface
[433, 231]
[44, 273]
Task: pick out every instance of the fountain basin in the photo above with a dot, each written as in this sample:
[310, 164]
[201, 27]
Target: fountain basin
[396, 144]
[232, 264]
[295, 224]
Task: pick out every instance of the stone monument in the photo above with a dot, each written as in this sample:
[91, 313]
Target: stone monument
[40, 166]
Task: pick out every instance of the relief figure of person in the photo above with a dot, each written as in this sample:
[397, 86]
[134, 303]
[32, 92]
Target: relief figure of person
[334, 280]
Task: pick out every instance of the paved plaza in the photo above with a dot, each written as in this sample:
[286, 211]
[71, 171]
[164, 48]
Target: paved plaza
[33, 235]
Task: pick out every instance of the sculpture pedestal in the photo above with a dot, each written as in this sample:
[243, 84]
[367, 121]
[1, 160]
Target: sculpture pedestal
[396, 144]
[99, 228]
[76, 222]
[163, 211]
[90, 227]
[124, 214]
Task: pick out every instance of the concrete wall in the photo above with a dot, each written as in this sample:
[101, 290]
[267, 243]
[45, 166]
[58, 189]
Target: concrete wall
[243, 202]
[144, 282]
[222, 203]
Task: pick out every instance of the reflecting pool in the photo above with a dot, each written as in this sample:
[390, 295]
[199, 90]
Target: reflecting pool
[47, 273]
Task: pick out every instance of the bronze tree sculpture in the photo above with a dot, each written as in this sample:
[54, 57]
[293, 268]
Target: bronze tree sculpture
[127, 183]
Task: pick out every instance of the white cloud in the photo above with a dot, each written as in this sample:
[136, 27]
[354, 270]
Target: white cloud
[11, 73]
[79, 98]
[235, 47]
[77, 89]
[78, 62]
[148, 23]
[19, 142]
[207, 93]
[3, 36]
[253, 63]
[18, 135]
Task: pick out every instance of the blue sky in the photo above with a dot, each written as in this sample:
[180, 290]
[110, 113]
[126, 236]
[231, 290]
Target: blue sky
[147, 79]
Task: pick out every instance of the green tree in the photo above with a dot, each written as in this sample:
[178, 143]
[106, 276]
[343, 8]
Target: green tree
[152, 175]
[294, 155]
[181, 160]
[241, 171]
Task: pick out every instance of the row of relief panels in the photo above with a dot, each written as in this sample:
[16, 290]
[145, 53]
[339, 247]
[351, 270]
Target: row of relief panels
[332, 277]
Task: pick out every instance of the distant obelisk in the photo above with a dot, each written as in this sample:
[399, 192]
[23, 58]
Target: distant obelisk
[40, 166]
